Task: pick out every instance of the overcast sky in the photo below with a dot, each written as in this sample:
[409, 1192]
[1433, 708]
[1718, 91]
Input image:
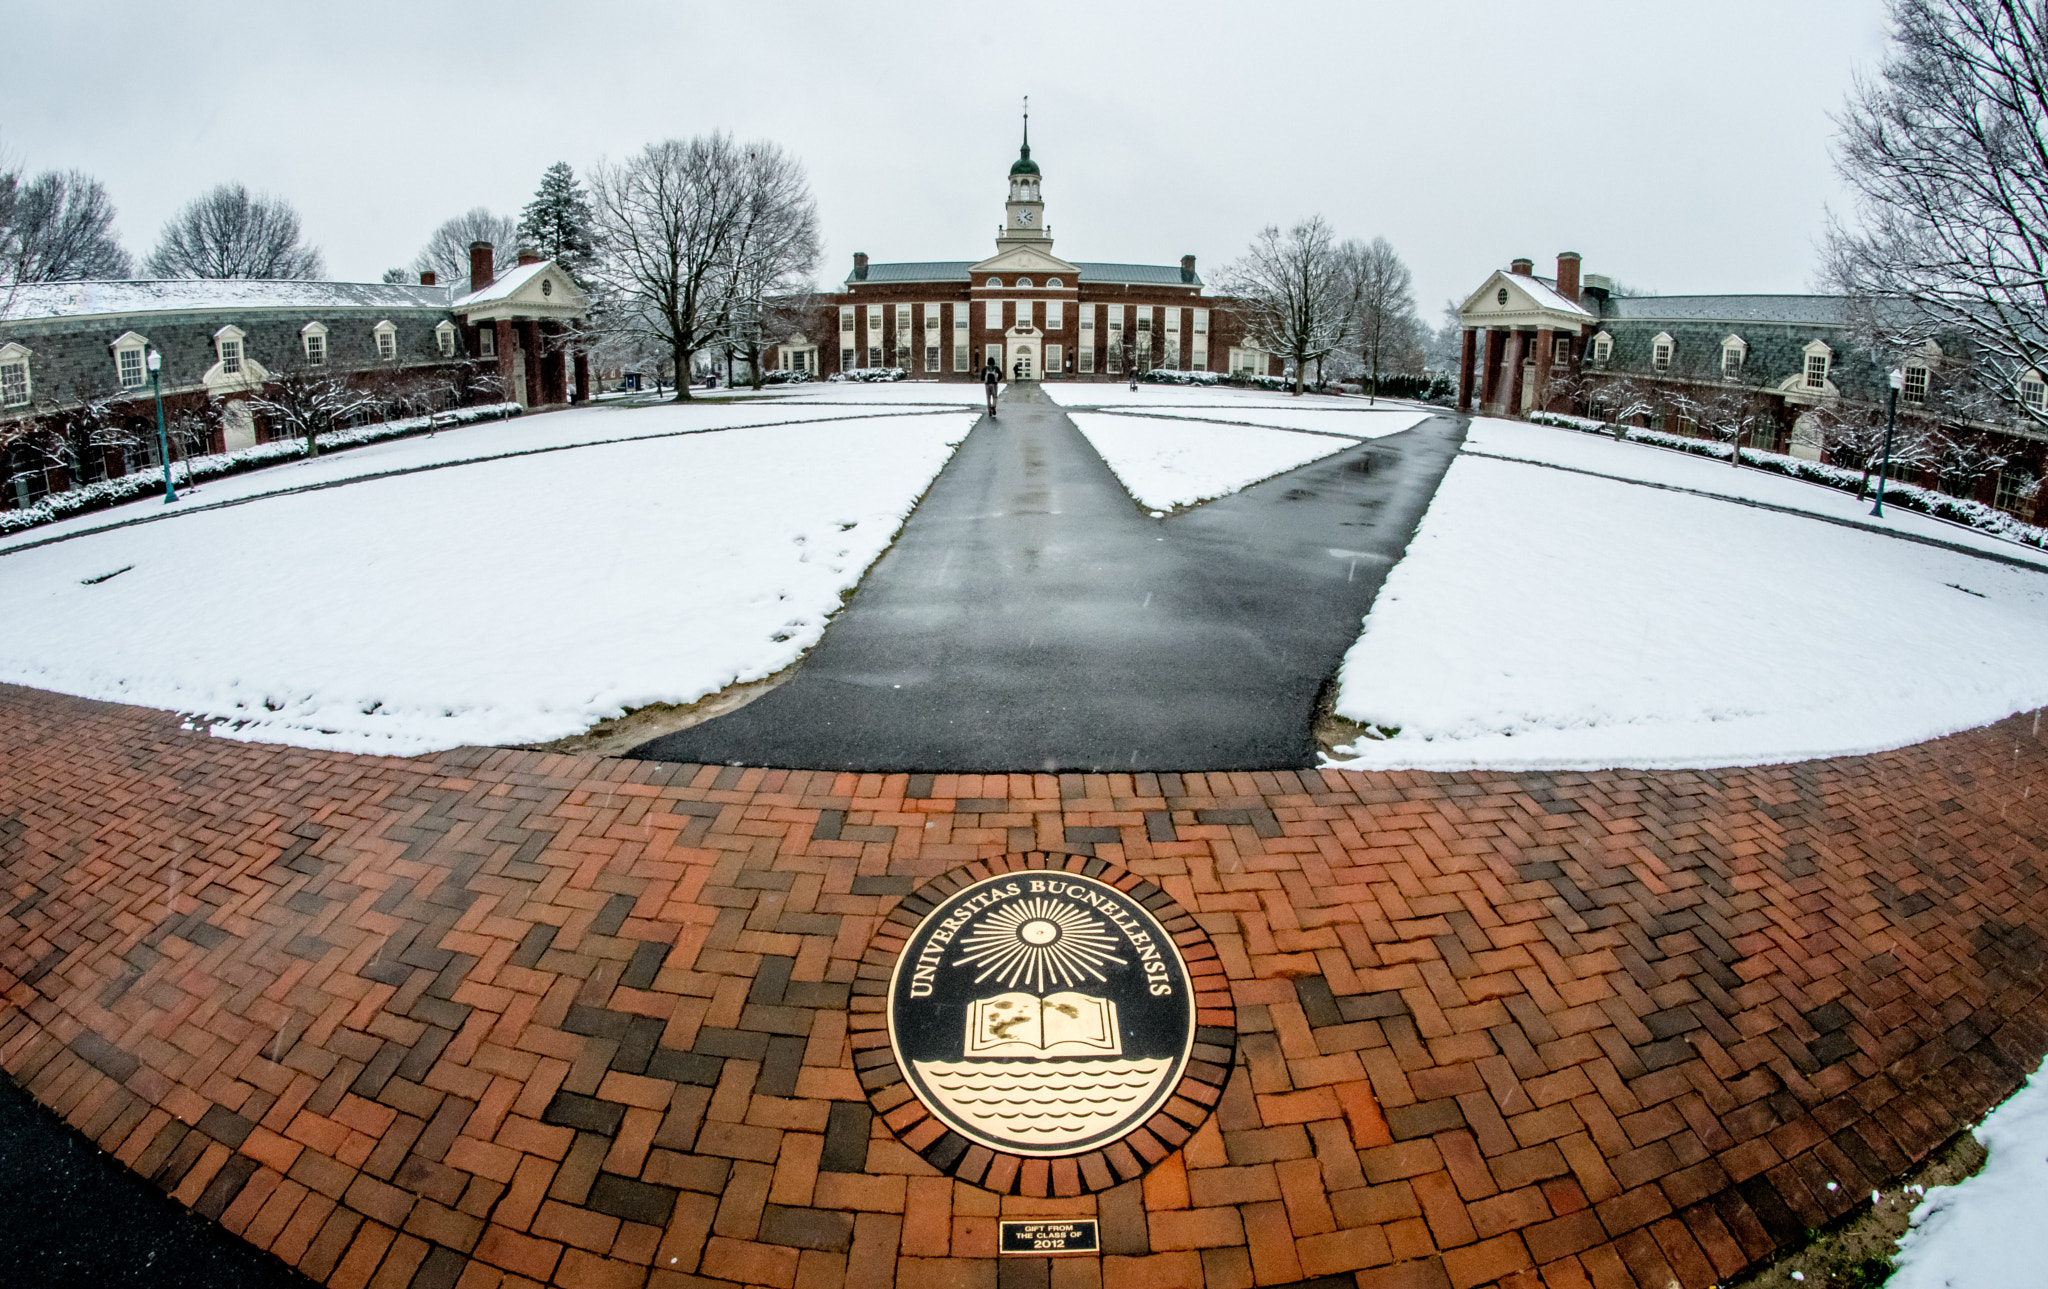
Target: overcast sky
[1678, 147]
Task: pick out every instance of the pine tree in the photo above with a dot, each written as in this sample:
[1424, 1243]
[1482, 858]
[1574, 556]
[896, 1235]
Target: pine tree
[557, 222]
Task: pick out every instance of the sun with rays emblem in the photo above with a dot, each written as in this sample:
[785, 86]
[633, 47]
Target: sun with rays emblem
[1039, 943]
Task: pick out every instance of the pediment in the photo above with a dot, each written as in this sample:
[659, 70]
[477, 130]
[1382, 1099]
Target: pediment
[546, 292]
[1024, 259]
[1520, 307]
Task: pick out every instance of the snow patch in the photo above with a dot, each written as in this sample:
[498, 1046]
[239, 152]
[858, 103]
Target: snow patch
[1166, 463]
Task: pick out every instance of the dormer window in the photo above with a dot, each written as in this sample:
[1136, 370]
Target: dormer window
[1734, 351]
[1603, 347]
[444, 338]
[1661, 350]
[130, 367]
[1818, 359]
[314, 337]
[227, 345]
[15, 389]
[387, 341]
[2033, 391]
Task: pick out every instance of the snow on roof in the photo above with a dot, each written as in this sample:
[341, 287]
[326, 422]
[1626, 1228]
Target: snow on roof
[1796, 310]
[952, 270]
[503, 288]
[1546, 296]
[179, 295]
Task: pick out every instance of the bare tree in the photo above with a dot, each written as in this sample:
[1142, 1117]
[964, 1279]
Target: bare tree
[59, 227]
[229, 233]
[1735, 413]
[1290, 292]
[306, 402]
[775, 248]
[1380, 299]
[446, 254]
[1946, 150]
[692, 232]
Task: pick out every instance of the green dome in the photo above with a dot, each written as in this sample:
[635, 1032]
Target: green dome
[1025, 165]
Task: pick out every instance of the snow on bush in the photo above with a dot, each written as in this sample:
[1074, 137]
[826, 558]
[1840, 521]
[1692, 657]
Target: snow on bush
[150, 482]
[871, 374]
[1907, 496]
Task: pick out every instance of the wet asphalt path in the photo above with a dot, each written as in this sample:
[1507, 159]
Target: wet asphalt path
[1032, 618]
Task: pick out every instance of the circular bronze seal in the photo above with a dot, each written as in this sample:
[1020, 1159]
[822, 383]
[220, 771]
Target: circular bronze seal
[1049, 1024]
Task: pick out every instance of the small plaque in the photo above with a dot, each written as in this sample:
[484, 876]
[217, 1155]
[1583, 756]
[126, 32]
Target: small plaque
[1078, 1235]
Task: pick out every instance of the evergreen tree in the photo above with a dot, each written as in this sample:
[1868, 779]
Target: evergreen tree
[557, 222]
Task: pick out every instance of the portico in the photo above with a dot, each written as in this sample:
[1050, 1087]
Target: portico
[523, 320]
[1533, 329]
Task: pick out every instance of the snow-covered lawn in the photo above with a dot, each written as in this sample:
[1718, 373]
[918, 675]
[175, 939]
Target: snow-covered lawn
[506, 601]
[1549, 619]
[1166, 463]
[1604, 455]
[1120, 394]
[481, 441]
[1358, 423]
[1986, 1232]
[961, 393]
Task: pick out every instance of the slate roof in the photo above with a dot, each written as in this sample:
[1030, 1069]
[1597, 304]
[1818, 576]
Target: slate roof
[954, 270]
[184, 295]
[1795, 310]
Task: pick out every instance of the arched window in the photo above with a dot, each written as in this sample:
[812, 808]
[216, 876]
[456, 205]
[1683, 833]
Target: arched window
[994, 281]
[1023, 282]
[1053, 284]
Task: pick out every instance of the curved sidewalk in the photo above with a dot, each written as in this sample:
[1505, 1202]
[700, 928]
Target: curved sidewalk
[503, 1018]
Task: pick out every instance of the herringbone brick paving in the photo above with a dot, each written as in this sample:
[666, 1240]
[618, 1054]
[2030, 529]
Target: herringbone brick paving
[501, 1018]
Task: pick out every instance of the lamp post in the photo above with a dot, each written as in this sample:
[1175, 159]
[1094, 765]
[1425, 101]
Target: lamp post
[1897, 381]
[163, 443]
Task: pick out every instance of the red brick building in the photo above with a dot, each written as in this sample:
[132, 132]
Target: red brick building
[1036, 315]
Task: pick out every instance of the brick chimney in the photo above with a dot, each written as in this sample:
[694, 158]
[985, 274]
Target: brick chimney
[527, 255]
[1568, 275]
[480, 275]
[427, 277]
[860, 266]
[1187, 268]
[1523, 268]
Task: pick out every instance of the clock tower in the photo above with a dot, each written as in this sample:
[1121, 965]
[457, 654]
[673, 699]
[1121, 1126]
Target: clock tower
[1024, 214]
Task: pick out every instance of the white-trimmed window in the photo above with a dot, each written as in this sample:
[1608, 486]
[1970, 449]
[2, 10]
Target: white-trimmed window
[444, 338]
[993, 315]
[227, 347]
[2013, 486]
[1734, 352]
[387, 340]
[993, 282]
[1818, 359]
[1915, 390]
[313, 336]
[15, 386]
[846, 324]
[960, 355]
[1561, 351]
[2034, 391]
[994, 356]
[902, 325]
[1054, 358]
[1023, 284]
[131, 363]
[1603, 347]
[1055, 315]
[487, 340]
[1053, 284]
[1661, 350]
[1116, 338]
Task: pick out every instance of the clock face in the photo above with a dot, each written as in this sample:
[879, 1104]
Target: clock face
[1024, 216]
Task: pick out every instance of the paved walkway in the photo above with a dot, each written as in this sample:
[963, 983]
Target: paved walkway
[1032, 618]
[500, 1018]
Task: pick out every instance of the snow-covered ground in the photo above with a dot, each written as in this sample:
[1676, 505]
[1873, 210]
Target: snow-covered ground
[1548, 619]
[506, 601]
[481, 441]
[1165, 462]
[1986, 1232]
[1604, 455]
[1358, 422]
[1120, 394]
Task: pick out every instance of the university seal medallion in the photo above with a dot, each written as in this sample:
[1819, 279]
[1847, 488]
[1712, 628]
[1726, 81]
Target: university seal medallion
[1051, 1014]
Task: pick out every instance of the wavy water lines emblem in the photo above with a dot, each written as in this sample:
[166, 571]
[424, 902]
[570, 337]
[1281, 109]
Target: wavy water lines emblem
[1045, 1103]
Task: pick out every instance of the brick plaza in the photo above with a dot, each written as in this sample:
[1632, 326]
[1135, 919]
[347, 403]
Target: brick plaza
[497, 1018]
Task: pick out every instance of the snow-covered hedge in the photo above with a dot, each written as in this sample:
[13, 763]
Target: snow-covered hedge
[1907, 496]
[785, 376]
[871, 373]
[148, 482]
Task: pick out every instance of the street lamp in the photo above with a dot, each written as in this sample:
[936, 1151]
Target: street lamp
[1891, 417]
[163, 443]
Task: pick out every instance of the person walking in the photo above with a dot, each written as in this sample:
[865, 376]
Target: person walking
[989, 377]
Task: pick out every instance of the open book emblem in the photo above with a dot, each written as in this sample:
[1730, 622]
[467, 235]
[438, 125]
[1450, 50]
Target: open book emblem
[1063, 1024]
[1041, 1012]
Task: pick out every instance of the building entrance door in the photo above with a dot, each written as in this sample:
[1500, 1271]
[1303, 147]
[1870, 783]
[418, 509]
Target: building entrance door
[1023, 360]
